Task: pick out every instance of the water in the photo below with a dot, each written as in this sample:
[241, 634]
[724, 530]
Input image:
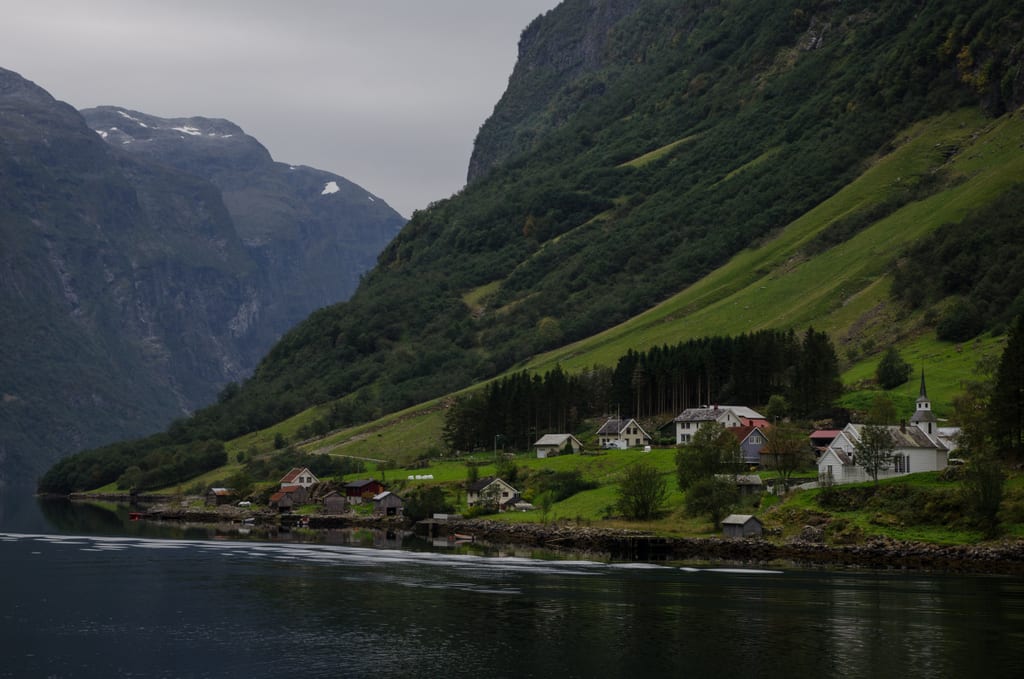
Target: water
[108, 603]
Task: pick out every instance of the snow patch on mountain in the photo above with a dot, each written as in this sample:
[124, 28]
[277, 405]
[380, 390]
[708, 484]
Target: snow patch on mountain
[330, 187]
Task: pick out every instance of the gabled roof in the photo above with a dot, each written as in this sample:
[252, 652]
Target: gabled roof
[381, 496]
[712, 413]
[556, 440]
[295, 473]
[741, 433]
[616, 426]
[221, 491]
[280, 495]
[739, 519]
[480, 484]
[825, 433]
[360, 483]
[290, 489]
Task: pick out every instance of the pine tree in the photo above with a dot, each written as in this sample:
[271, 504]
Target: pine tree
[1007, 405]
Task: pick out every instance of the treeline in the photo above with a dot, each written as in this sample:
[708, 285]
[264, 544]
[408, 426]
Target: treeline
[514, 411]
[744, 370]
[148, 469]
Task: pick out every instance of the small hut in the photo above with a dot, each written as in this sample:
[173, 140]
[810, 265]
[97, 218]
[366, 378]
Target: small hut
[335, 503]
[742, 526]
[387, 504]
[219, 496]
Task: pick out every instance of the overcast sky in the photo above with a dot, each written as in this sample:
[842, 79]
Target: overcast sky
[387, 93]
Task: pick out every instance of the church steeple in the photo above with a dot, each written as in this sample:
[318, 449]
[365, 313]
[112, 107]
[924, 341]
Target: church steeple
[924, 418]
[922, 399]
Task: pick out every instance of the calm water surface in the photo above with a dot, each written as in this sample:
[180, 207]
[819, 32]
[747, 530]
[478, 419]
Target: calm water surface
[115, 601]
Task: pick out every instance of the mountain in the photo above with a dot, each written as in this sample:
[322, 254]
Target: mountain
[639, 147]
[314, 233]
[134, 287]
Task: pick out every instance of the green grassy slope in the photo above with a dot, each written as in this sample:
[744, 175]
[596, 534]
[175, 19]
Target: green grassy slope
[844, 290]
[777, 286]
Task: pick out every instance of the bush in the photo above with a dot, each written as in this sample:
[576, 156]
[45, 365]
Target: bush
[892, 370]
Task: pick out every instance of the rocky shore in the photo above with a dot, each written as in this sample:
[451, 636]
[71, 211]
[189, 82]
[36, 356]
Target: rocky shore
[875, 553]
[808, 549]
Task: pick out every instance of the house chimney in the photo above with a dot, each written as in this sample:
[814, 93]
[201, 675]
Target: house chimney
[903, 425]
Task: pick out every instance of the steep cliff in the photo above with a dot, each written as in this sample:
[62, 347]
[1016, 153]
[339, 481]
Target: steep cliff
[129, 293]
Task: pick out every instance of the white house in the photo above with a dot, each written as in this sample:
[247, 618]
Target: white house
[299, 477]
[622, 434]
[491, 488]
[918, 447]
[691, 419]
[551, 445]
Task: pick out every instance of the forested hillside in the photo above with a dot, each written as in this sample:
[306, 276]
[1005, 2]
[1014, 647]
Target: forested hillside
[638, 147]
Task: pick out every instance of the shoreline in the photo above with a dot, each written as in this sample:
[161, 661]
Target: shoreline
[875, 553]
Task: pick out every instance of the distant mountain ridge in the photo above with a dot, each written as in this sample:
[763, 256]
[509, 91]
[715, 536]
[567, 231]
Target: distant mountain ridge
[137, 282]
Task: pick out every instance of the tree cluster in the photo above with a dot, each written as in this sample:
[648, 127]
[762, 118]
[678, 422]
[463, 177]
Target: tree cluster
[749, 368]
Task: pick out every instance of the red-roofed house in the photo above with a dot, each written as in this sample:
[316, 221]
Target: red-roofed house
[752, 441]
[299, 477]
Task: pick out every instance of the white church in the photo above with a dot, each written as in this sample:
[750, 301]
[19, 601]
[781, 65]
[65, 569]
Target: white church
[920, 446]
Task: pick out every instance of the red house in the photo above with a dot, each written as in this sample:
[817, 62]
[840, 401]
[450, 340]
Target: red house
[356, 491]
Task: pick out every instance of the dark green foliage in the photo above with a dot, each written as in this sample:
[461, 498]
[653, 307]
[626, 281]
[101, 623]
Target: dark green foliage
[515, 411]
[560, 484]
[713, 449]
[978, 259]
[749, 368]
[423, 503]
[908, 504]
[273, 467]
[984, 487]
[642, 491]
[713, 497]
[1007, 402]
[892, 370]
[874, 449]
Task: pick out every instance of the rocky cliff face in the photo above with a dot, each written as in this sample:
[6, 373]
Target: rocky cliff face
[144, 267]
[556, 51]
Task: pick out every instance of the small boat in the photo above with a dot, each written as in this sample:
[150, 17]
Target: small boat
[461, 536]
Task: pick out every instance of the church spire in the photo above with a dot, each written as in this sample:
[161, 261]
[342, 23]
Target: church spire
[923, 417]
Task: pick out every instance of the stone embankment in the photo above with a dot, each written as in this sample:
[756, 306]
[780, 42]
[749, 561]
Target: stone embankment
[874, 553]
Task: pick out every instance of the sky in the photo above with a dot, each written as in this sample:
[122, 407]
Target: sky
[387, 93]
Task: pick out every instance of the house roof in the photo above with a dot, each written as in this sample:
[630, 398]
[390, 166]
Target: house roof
[616, 426]
[825, 433]
[280, 495]
[741, 433]
[333, 493]
[360, 483]
[290, 489]
[739, 519]
[555, 440]
[923, 415]
[295, 473]
[221, 491]
[479, 485]
[712, 413]
[381, 496]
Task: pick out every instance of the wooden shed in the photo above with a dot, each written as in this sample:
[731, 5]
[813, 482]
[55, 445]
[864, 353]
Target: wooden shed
[335, 503]
[387, 504]
[741, 526]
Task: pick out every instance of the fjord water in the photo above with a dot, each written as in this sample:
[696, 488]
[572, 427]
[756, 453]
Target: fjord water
[115, 603]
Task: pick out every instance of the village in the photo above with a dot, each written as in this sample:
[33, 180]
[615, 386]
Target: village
[825, 457]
